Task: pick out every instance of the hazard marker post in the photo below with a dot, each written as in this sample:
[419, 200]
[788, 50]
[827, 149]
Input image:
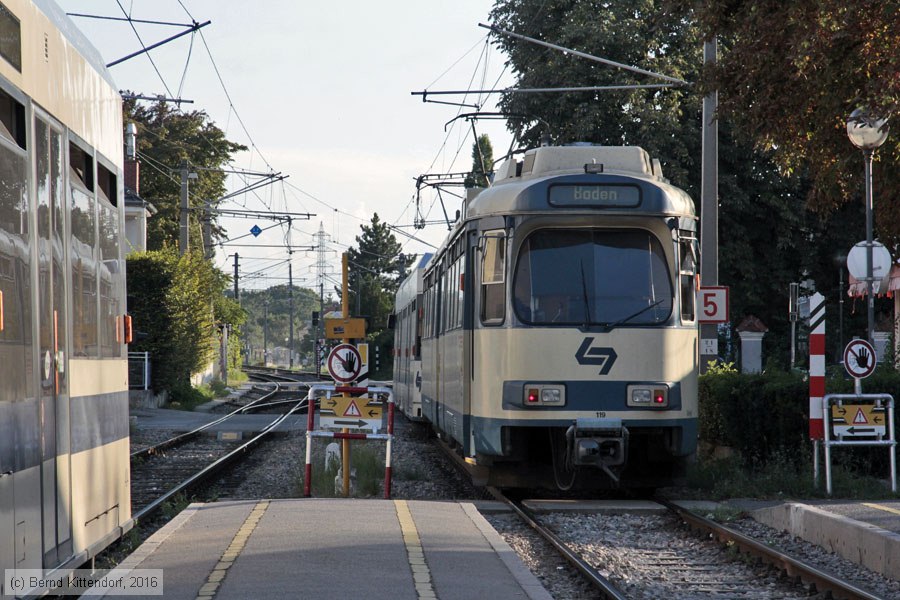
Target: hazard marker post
[859, 419]
[816, 375]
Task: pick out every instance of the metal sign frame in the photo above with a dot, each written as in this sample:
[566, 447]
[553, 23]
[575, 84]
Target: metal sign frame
[879, 440]
[315, 392]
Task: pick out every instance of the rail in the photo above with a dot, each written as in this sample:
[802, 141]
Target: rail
[793, 567]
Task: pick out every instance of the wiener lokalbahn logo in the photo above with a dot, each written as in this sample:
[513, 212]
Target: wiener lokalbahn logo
[604, 357]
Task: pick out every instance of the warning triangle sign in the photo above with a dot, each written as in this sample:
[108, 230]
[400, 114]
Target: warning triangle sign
[860, 418]
[353, 410]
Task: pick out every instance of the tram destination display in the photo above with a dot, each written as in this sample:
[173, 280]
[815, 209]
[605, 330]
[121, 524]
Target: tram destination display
[594, 194]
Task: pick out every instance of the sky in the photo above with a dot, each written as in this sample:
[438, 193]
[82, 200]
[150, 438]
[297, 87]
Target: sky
[320, 92]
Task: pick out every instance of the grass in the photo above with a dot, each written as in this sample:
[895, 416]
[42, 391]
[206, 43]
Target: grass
[782, 477]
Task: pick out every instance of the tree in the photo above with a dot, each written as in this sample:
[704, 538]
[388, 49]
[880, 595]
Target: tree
[376, 269]
[792, 72]
[176, 303]
[166, 137]
[482, 162]
[640, 33]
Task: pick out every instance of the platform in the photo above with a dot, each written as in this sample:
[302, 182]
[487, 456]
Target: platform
[327, 548]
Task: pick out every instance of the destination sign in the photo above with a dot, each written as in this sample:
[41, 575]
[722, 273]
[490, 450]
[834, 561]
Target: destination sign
[593, 194]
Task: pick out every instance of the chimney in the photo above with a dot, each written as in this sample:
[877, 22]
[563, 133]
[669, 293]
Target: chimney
[132, 166]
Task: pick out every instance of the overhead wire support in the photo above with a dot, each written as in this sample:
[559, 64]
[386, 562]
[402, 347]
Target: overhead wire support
[605, 61]
[130, 20]
[158, 98]
[193, 28]
[513, 90]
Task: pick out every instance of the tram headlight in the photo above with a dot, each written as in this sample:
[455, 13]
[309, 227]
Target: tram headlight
[648, 396]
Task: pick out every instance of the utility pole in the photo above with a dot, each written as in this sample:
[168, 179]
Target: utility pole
[291, 309]
[321, 267]
[266, 335]
[184, 237]
[237, 297]
[709, 206]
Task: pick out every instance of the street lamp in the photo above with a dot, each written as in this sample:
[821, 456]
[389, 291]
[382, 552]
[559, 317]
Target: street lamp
[868, 133]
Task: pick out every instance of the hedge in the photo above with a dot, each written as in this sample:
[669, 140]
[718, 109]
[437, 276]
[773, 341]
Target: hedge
[762, 415]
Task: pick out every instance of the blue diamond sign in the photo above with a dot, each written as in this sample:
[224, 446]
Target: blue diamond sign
[255, 230]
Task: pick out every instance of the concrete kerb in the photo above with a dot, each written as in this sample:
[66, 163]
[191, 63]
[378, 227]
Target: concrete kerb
[864, 544]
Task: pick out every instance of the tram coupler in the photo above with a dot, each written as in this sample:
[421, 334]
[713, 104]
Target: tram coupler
[598, 442]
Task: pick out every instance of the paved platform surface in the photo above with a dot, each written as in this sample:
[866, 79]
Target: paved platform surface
[325, 548]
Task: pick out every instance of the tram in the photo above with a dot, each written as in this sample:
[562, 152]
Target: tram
[64, 445]
[558, 327]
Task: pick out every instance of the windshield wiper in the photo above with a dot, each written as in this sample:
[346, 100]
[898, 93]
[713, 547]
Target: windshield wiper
[587, 304]
[611, 326]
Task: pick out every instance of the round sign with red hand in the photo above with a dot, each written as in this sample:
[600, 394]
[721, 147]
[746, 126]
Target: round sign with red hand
[859, 358]
[344, 363]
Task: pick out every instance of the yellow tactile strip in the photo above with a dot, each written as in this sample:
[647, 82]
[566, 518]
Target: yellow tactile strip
[209, 589]
[420, 572]
[881, 507]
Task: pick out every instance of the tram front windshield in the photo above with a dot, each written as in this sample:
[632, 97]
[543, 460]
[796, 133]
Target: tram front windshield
[592, 277]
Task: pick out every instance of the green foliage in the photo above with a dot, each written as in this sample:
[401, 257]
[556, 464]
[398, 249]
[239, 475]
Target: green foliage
[172, 300]
[765, 419]
[482, 162]
[270, 309]
[167, 137]
[718, 367]
[792, 86]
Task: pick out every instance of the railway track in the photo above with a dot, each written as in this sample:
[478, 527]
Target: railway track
[678, 554]
[191, 460]
[630, 556]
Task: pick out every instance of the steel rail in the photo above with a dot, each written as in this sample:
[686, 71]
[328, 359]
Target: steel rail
[792, 566]
[185, 437]
[601, 583]
[215, 467]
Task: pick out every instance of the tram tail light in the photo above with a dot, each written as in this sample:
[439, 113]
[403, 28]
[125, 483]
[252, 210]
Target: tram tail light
[648, 396]
[542, 394]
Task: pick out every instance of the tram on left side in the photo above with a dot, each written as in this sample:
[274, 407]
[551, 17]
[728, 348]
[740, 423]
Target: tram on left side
[64, 442]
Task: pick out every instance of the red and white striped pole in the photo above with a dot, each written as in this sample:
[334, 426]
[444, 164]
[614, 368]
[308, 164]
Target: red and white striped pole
[816, 376]
[816, 365]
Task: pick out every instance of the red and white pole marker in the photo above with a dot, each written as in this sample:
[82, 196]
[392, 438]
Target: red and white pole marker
[816, 365]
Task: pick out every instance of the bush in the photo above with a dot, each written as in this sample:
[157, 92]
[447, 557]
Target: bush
[176, 303]
[766, 416]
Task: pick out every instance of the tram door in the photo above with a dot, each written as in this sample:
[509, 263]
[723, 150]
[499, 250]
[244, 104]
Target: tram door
[54, 396]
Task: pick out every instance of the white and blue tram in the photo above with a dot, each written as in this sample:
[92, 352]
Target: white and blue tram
[559, 333]
[408, 311]
[64, 443]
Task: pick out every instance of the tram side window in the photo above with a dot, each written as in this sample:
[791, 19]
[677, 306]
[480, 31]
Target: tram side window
[111, 287]
[686, 277]
[417, 316]
[493, 267]
[15, 255]
[84, 256]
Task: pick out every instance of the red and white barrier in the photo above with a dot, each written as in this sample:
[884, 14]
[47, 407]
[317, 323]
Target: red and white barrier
[311, 432]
